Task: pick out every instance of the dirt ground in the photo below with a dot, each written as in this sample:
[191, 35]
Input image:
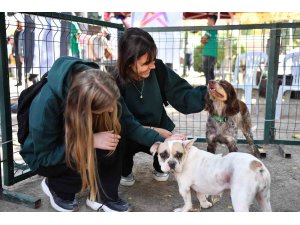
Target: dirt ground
[148, 195]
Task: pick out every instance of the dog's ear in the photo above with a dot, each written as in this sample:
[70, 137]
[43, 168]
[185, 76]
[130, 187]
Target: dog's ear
[154, 147]
[232, 104]
[232, 108]
[188, 144]
[208, 104]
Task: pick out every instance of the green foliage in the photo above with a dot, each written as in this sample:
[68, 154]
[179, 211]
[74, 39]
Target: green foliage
[248, 32]
[243, 49]
[234, 52]
[221, 52]
[198, 58]
[296, 37]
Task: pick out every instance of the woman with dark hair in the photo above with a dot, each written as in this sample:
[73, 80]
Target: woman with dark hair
[143, 98]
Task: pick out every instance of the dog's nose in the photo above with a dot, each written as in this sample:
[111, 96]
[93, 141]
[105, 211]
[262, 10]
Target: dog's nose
[211, 82]
[172, 164]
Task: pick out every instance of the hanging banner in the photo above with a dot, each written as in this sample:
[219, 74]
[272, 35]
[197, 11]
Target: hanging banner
[168, 43]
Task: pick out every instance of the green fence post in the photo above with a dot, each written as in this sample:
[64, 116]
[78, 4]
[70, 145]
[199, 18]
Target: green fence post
[271, 93]
[7, 145]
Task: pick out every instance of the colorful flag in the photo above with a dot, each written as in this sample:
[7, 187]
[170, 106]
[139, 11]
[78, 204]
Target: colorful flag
[168, 43]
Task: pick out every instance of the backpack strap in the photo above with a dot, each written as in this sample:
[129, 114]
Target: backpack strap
[45, 76]
[161, 71]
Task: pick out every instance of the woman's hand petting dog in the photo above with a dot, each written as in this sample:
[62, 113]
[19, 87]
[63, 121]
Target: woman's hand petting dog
[167, 134]
[177, 136]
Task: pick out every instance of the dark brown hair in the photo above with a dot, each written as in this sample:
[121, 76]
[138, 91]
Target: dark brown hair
[133, 44]
[214, 17]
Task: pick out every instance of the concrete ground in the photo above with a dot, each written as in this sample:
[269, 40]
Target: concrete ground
[148, 195]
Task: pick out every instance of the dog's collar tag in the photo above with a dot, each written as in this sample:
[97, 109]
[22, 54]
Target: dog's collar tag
[219, 118]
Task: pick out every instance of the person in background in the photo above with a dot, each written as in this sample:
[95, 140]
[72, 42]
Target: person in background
[210, 49]
[99, 47]
[74, 37]
[18, 57]
[11, 54]
[188, 56]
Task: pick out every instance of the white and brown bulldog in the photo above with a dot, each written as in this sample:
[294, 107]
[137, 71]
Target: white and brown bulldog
[210, 174]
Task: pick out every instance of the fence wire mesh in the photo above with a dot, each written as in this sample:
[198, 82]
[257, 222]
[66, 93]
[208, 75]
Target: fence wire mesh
[36, 40]
[243, 60]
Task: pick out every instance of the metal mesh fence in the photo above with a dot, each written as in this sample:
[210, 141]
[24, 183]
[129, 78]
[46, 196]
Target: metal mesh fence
[288, 102]
[244, 60]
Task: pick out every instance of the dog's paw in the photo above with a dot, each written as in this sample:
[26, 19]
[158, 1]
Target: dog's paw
[206, 204]
[184, 209]
[177, 210]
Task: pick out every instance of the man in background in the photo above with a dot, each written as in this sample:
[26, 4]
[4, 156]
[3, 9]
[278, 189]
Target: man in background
[99, 49]
[210, 49]
[11, 54]
[18, 57]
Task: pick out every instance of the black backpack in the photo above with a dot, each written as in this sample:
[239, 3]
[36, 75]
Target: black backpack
[24, 103]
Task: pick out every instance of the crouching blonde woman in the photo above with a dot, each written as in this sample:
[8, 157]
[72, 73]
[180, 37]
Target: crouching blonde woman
[75, 136]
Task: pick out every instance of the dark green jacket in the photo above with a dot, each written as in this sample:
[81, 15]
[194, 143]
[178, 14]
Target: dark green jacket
[44, 144]
[150, 111]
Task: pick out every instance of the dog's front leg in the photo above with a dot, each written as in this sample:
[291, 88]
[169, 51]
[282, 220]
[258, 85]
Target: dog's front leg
[185, 192]
[210, 137]
[246, 129]
[203, 201]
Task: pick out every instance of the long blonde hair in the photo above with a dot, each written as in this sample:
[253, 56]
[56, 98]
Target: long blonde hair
[91, 92]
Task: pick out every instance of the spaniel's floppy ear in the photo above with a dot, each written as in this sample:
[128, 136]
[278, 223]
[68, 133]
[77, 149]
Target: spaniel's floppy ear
[233, 108]
[208, 104]
[232, 104]
[154, 147]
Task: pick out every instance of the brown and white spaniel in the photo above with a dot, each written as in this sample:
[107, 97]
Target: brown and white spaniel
[226, 115]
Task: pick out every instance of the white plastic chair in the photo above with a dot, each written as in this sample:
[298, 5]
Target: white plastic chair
[224, 70]
[286, 90]
[253, 61]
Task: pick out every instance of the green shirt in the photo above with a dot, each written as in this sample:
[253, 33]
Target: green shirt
[211, 47]
[74, 45]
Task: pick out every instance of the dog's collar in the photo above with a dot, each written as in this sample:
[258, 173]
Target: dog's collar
[219, 118]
